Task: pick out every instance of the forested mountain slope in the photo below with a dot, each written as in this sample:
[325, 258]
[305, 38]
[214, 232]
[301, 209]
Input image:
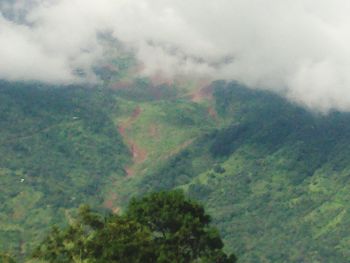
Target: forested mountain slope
[65, 146]
[274, 176]
[58, 149]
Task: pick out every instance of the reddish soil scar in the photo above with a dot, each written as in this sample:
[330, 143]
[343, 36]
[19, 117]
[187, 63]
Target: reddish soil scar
[139, 155]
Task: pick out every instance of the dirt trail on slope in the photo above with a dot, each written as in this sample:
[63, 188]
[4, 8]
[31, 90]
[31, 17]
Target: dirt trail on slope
[139, 155]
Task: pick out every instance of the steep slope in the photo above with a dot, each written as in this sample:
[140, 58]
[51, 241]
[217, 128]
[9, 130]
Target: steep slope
[276, 178]
[59, 148]
[64, 146]
[155, 128]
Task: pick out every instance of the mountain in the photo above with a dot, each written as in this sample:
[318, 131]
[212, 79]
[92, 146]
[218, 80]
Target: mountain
[58, 149]
[273, 175]
[64, 146]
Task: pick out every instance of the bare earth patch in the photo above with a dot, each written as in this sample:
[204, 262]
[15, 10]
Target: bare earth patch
[203, 93]
[139, 155]
[109, 202]
[212, 113]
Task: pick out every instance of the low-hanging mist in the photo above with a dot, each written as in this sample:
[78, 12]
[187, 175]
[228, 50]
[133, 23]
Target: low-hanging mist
[299, 48]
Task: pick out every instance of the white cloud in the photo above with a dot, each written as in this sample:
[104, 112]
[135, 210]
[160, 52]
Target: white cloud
[23, 58]
[297, 47]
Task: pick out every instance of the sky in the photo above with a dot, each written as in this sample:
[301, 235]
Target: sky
[297, 48]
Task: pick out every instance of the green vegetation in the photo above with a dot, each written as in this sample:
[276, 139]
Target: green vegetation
[58, 149]
[4, 258]
[61, 147]
[160, 227]
[274, 176]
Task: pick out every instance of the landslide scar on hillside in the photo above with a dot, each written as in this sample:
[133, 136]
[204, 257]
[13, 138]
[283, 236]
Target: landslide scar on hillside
[139, 155]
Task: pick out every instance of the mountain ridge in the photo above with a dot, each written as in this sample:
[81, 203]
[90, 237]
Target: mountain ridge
[273, 175]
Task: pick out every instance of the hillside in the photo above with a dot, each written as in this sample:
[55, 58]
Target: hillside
[273, 175]
[64, 146]
[58, 149]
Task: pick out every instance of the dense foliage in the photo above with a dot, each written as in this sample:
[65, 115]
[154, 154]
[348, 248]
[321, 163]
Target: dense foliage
[58, 147]
[5, 258]
[275, 177]
[161, 227]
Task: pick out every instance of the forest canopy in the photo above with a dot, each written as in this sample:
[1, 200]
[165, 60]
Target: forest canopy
[160, 227]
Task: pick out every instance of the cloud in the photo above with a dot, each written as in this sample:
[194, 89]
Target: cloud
[22, 57]
[298, 48]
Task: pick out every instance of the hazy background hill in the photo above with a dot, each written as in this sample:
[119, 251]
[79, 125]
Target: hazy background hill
[273, 175]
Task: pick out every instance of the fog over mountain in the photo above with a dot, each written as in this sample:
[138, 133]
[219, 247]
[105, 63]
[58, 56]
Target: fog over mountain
[300, 48]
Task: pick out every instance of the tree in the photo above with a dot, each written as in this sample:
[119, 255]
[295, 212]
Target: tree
[93, 238]
[180, 228]
[161, 227]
